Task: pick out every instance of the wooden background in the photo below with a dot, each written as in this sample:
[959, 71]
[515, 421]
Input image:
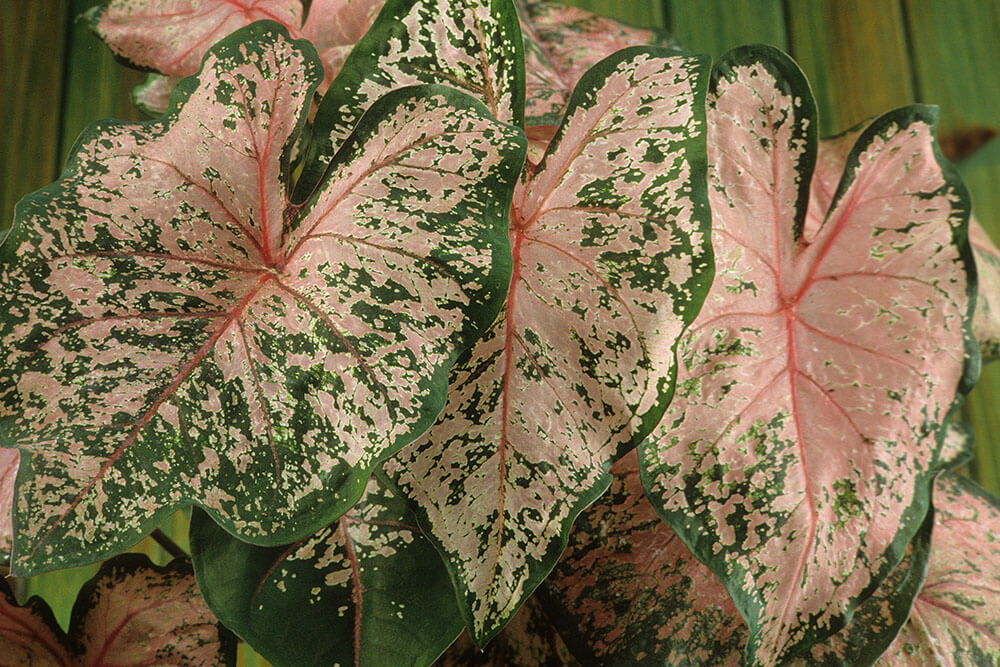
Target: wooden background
[862, 57]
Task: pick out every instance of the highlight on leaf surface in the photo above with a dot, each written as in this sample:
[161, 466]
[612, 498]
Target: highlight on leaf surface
[471, 45]
[172, 36]
[797, 456]
[368, 589]
[611, 252]
[131, 613]
[177, 332]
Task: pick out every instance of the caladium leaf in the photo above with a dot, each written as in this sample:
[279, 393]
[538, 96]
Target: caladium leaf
[627, 591]
[8, 475]
[954, 620]
[30, 634]
[611, 259]
[153, 94]
[986, 321]
[471, 45]
[561, 43]
[135, 613]
[797, 456]
[529, 640]
[335, 26]
[131, 613]
[178, 333]
[958, 446]
[368, 589]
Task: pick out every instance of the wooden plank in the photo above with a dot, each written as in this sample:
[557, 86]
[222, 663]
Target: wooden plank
[715, 26]
[31, 67]
[854, 53]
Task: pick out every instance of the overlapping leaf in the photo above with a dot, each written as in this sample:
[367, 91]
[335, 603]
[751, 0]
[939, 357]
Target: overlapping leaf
[131, 613]
[529, 640]
[172, 36]
[611, 260]
[471, 45]
[368, 589]
[8, 475]
[797, 455]
[986, 322]
[954, 619]
[177, 332]
[560, 44]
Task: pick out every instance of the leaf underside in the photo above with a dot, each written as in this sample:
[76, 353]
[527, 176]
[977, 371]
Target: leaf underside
[178, 333]
[367, 589]
[797, 455]
[611, 259]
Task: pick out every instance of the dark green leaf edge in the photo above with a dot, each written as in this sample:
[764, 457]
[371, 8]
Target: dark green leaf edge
[696, 536]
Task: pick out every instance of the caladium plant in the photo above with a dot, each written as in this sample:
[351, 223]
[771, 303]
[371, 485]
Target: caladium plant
[324, 299]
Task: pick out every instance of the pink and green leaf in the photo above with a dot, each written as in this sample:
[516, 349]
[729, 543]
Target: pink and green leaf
[470, 45]
[954, 620]
[335, 26]
[8, 476]
[611, 251]
[986, 321]
[30, 634]
[367, 589]
[797, 456]
[177, 332]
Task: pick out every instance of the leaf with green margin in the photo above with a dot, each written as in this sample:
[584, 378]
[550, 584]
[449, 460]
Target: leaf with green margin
[629, 592]
[471, 45]
[368, 589]
[958, 446]
[177, 332]
[152, 96]
[954, 620]
[334, 27]
[986, 321]
[858, 322]
[612, 258]
[529, 640]
[8, 475]
[561, 43]
[131, 613]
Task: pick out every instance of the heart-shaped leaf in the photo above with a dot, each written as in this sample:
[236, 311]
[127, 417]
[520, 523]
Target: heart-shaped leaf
[131, 613]
[561, 43]
[797, 456]
[611, 258]
[368, 589]
[471, 45]
[177, 332]
[986, 322]
[954, 620]
[529, 640]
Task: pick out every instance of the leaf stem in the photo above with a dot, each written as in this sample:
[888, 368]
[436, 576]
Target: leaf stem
[168, 544]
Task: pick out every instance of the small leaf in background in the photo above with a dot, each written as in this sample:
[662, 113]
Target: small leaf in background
[611, 259]
[470, 45]
[529, 640]
[986, 321]
[797, 456]
[172, 36]
[177, 332]
[954, 620]
[131, 613]
[8, 475]
[368, 589]
[561, 43]
[29, 634]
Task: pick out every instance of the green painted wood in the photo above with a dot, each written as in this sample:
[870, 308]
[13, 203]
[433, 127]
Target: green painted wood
[854, 53]
[32, 49]
[715, 26]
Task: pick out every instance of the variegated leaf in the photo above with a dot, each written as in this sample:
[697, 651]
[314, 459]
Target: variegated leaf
[30, 634]
[797, 455]
[611, 258]
[986, 321]
[153, 94]
[627, 591]
[135, 613]
[955, 619]
[561, 43]
[335, 26]
[177, 332]
[959, 444]
[529, 640]
[471, 45]
[8, 475]
[368, 589]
